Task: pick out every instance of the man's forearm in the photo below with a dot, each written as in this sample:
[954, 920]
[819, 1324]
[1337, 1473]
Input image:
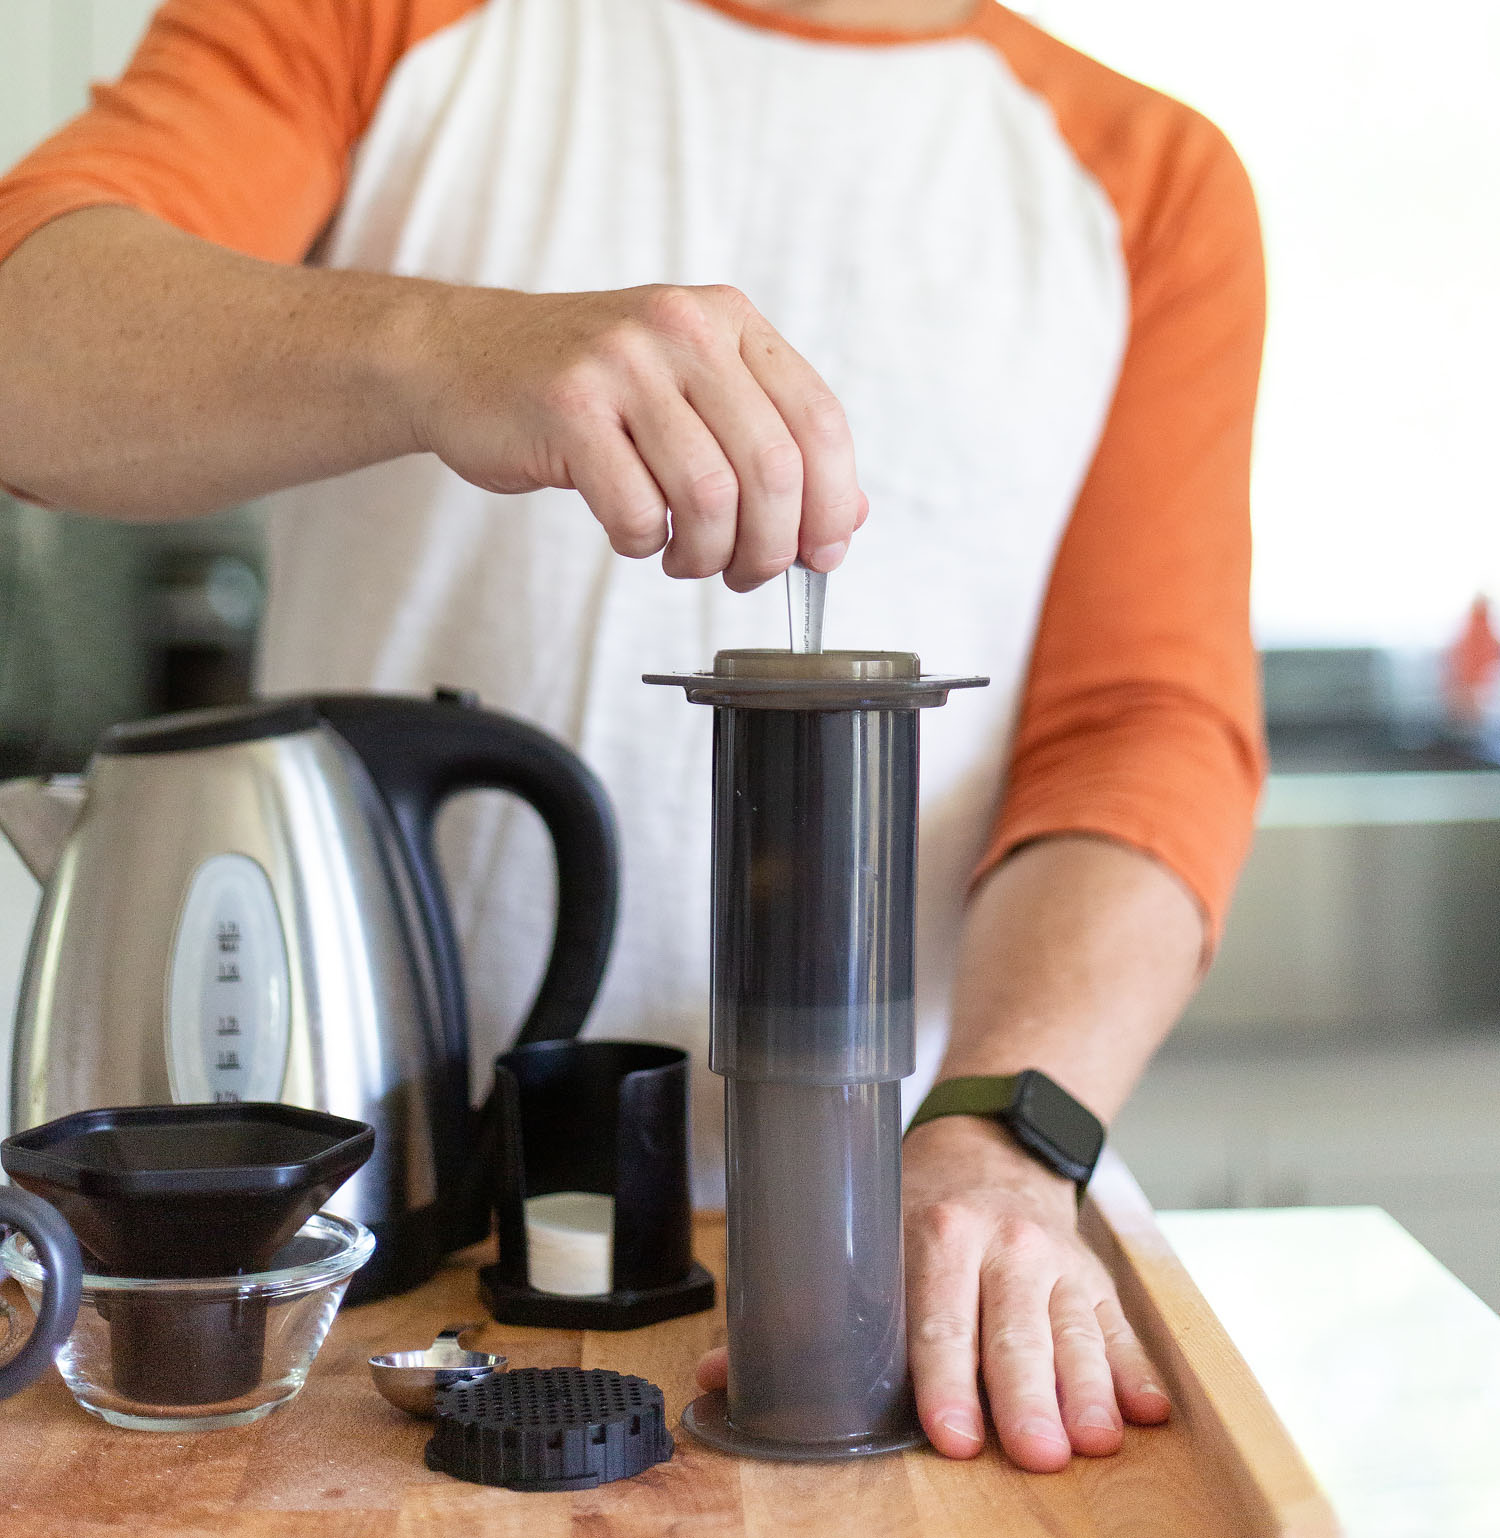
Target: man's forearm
[1077, 957]
[148, 374]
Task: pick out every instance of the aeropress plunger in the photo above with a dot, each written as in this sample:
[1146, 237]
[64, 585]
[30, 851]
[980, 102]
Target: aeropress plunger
[814, 893]
[182, 1192]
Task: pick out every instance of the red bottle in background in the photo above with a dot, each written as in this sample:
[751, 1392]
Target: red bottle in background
[1471, 676]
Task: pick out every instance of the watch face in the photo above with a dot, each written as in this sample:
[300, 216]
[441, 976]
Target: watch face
[1053, 1114]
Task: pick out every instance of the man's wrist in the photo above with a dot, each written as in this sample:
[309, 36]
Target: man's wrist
[1041, 1116]
[409, 354]
[985, 1150]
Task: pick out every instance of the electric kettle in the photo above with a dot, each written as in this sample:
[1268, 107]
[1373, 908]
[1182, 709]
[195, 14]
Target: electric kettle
[245, 905]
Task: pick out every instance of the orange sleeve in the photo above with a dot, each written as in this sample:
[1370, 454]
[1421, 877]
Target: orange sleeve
[234, 121]
[1141, 716]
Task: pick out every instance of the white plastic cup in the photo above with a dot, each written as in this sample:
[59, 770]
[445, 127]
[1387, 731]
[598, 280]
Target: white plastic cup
[570, 1243]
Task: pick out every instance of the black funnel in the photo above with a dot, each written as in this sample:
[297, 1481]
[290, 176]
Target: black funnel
[187, 1190]
[179, 1191]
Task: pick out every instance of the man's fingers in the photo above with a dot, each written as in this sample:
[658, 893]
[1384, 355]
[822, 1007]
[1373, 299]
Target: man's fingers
[713, 1369]
[1085, 1387]
[1017, 1350]
[744, 442]
[942, 1292]
[691, 468]
[767, 464]
[833, 506]
[1137, 1391]
[607, 471]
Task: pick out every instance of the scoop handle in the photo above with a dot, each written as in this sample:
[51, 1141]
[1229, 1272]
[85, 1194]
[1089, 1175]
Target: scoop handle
[62, 1268]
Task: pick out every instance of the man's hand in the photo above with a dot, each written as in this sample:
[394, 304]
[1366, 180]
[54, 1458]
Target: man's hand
[684, 419]
[654, 403]
[1001, 1290]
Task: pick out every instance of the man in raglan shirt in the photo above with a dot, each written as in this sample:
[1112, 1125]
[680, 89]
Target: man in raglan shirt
[488, 295]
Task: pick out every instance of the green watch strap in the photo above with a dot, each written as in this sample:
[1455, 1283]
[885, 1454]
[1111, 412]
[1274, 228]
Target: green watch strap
[1038, 1113]
[978, 1095]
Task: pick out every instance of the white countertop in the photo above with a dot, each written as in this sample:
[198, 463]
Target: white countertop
[1383, 1366]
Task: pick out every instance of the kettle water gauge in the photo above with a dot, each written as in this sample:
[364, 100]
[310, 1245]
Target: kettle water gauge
[228, 996]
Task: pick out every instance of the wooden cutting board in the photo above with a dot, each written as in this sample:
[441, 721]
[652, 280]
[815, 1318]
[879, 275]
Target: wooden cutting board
[338, 1462]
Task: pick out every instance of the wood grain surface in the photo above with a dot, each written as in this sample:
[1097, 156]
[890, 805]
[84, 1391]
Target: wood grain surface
[338, 1462]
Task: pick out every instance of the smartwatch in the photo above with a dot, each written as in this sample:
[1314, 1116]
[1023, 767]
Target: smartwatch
[1039, 1114]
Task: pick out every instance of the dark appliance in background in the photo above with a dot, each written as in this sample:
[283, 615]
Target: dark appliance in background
[103, 622]
[1370, 904]
[1364, 710]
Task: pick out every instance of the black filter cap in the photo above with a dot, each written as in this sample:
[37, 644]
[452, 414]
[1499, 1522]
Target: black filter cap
[550, 1428]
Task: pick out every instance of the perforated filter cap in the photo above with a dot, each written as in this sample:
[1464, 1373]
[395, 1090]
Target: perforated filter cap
[550, 1428]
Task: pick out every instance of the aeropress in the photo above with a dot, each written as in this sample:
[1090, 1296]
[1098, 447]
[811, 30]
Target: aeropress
[181, 1192]
[814, 893]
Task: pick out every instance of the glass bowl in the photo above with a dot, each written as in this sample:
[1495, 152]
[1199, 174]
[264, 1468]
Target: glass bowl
[196, 1353]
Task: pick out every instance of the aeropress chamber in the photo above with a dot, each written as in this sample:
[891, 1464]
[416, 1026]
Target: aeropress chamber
[814, 912]
[182, 1192]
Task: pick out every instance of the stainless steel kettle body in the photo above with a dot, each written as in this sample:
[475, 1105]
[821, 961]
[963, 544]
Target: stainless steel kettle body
[247, 906]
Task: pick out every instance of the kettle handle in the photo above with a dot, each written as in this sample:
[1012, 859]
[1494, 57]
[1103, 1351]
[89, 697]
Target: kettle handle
[420, 752]
[62, 1269]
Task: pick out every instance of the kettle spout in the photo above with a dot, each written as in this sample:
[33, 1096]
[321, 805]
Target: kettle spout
[37, 815]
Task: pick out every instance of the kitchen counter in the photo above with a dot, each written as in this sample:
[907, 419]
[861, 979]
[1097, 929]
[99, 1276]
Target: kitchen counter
[1384, 1367]
[340, 1463]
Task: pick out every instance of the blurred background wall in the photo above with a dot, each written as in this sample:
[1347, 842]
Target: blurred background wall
[52, 50]
[1372, 134]
[1346, 1046]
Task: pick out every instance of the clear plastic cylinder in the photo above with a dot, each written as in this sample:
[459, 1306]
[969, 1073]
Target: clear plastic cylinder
[814, 918]
[815, 820]
[815, 1285]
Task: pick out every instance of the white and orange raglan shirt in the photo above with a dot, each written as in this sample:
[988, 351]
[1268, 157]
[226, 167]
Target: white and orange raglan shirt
[1036, 287]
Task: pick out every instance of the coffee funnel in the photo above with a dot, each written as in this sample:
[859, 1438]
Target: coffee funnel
[182, 1192]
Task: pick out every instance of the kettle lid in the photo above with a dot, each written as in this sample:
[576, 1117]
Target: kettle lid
[212, 728]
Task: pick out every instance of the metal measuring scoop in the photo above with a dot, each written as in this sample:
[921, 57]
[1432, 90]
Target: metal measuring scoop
[410, 1379]
[805, 594]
